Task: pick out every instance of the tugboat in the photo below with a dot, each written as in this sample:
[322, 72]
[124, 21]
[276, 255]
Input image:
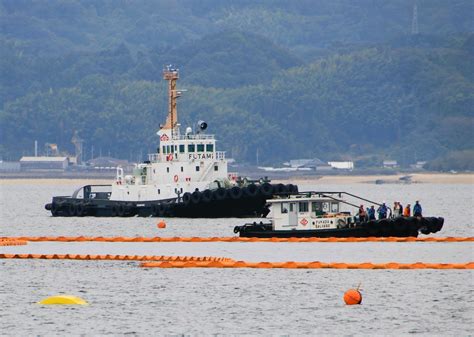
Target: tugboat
[324, 214]
[186, 177]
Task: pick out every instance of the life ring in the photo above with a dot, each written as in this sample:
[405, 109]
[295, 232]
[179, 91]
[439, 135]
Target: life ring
[175, 178]
[169, 157]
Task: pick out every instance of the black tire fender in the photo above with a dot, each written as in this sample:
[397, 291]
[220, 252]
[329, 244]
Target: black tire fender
[251, 190]
[219, 194]
[80, 209]
[186, 198]
[196, 197]
[400, 225]
[71, 209]
[235, 193]
[280, 188]
[266, 189]
[206, 196]
[121, 210]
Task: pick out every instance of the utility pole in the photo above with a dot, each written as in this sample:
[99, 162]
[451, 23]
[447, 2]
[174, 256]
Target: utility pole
[414, 21]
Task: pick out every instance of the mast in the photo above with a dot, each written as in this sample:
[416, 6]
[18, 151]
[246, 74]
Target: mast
[170, 74]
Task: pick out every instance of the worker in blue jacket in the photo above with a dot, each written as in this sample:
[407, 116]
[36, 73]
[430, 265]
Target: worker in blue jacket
[371, 212]
[382, 210]
[417, 211]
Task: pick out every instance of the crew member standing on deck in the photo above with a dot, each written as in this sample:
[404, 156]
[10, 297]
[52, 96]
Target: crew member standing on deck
[417, 209]
[397, 211]
[362, 214]
[382, 210]
[371, 213]
[406, 211]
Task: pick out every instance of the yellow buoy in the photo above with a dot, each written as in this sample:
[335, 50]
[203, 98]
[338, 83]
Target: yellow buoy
[63, 299]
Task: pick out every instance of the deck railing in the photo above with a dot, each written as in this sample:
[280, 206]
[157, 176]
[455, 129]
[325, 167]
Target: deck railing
[155, 157]
[193, 136]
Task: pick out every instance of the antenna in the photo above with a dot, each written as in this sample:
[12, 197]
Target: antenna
[78, 142]
[414, 22]
[171, 74]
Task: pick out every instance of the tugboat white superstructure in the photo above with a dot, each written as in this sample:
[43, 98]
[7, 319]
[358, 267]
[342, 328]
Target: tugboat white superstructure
[185, 177]
[182, 164]
[326, 214]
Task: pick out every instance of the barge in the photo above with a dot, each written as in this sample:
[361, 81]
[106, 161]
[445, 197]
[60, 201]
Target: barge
[327, 214]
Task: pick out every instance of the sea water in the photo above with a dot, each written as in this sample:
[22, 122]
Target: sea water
[126, 299]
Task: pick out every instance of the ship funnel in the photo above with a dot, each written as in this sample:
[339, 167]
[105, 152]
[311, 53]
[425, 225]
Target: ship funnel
[201, 125]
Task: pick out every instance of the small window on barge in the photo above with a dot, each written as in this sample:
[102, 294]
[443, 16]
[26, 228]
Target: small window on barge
[303, 206]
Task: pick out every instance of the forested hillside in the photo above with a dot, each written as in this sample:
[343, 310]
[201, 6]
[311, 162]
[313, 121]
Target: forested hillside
[328, 79]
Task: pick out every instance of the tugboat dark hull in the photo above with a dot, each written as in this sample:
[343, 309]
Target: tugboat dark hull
[397, 227]
[221, 203]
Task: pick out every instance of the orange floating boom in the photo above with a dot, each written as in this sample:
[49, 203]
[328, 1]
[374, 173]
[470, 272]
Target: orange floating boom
[233, 239]
[223, 262]
[304, 265]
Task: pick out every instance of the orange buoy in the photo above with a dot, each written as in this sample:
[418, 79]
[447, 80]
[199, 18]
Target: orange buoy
[352, 296]
[161, 224]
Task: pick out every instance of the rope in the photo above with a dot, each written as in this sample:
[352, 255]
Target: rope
[234, 239]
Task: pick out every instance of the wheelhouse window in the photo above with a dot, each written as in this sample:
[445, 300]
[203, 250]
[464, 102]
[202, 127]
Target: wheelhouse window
[303, 206]
[164, 149]
[316, 206]
[200, 148]
[325, 206]
[335, 207]
[191, 148]
[284, 207]
[209, 147]
[181, 148]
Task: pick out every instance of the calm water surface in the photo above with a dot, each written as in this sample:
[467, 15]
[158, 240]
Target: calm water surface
[125, 299]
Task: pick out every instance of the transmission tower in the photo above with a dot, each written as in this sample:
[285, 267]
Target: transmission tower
[414, 22]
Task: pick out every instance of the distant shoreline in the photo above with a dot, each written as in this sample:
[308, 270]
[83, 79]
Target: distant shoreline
[414, 178]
